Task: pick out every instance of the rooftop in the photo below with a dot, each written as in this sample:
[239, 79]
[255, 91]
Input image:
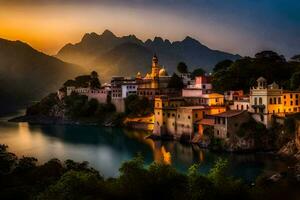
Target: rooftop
[230, 113]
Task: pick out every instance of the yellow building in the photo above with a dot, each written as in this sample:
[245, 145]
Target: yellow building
[271, 100]
[178, 117]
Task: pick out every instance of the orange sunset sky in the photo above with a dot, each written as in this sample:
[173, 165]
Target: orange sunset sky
[49, 25]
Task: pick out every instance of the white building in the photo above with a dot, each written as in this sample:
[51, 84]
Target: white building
[202, 85]
[100, 94]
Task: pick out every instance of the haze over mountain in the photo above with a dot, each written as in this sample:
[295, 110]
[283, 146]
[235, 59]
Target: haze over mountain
[27, 74]
[111, 55]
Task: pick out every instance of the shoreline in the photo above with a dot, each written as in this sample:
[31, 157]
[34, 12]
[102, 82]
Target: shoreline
[45, 120]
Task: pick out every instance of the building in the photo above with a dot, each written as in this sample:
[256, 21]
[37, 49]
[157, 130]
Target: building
[178, 117]
[202, 85]
[121, 88]
[241, 103]
[267, 101]
[229, 122]
[187, 79]
[233, 95]
[101, 94]
[155, 83]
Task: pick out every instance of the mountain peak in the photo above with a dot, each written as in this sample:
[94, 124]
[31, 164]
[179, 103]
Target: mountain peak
[158, 39]
[108, 33]
[90, 36]
[190, 39]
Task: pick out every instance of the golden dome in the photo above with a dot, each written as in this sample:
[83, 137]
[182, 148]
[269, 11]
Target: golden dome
[163, 72]
[148, 76]
[139, 75]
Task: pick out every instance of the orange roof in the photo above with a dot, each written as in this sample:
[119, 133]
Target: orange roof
[230, 113]
[209, 122]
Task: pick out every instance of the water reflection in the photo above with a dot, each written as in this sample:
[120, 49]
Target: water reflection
[107, 148]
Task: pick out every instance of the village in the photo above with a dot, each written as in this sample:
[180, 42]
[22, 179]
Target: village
[197, 112]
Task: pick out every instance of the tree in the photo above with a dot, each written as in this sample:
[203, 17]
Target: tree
[70, 83]
[198, 72]
[7, 160]
[175, 82]
[95, 82]
[295, 81]
[223, 65]
[83, 81]
[182, 68]
[26, 164]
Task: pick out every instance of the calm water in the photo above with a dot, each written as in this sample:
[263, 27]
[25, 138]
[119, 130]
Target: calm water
[106, 148]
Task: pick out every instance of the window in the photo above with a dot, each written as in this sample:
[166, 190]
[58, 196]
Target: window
[168, 114]
[173, 115]
[242, 108]
[279, 100]
[255, 101]
[178, 116]
[291, 103]
[189, 117]
[297, 103]
[297, 96]
[196, 115]
[260, 101]
[291, 96]
[158, 113]
[284, 97]
[274, 100]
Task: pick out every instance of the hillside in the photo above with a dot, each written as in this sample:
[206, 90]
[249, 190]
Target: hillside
[128, 54]
[27, 74]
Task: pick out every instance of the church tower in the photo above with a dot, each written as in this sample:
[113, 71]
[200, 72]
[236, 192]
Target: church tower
[155, 67]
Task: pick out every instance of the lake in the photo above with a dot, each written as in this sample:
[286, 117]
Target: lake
[107, 148]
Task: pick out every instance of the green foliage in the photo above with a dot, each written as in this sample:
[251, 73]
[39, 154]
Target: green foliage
[182, 68]
[26, 164]
[199, 186]
[242, 73]
[295, 81]
[74, 185]
[7, 160]
[223, 65]
[95, 82]
[134, 105]
[175, 82]
[71, 180]
[70, 83]
[44, 106]
[91, 80]
[198, 72]
[83, 80]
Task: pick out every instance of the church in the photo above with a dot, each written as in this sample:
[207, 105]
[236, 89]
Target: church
[155, 83]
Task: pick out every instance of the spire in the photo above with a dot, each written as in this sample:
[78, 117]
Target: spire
[154, 60]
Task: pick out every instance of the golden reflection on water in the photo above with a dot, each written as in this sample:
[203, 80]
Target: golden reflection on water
[163, 153]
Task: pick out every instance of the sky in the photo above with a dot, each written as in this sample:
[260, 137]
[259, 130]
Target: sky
[238, 26]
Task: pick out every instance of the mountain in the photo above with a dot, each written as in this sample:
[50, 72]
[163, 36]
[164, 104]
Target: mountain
[112, 55]
[27, 74]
